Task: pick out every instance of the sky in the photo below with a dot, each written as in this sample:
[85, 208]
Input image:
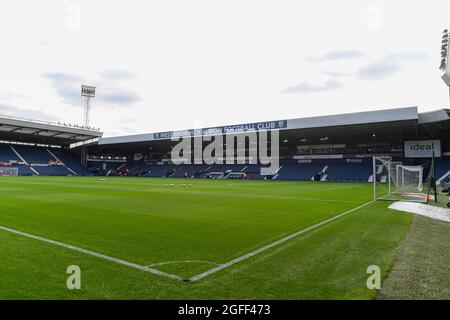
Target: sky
[177, 64]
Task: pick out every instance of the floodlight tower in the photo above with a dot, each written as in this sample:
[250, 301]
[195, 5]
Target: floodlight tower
[445, 65]
[87, 92]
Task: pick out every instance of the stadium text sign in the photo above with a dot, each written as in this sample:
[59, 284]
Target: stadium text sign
[422, 148]
[241, 128]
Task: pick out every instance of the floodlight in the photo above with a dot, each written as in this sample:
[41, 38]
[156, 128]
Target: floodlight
[444, 54]
[88, 92]
[446, 79]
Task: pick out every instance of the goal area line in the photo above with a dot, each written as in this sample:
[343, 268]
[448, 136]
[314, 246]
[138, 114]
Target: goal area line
[93, 253]
[273, 244]
[176, 277]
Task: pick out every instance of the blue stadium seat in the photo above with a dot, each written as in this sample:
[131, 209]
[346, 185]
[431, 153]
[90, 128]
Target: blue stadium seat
[52, 170]
[97, 167]
[33, 154]
[140, 168]
[341, 170]
[7, 154]
[39, 159]
[193, 170]
[442, 166]
[161, 170]
[71, 162]
[292, 170]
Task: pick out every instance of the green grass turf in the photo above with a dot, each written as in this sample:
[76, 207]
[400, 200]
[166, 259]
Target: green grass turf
[422, 269]
[145, 222]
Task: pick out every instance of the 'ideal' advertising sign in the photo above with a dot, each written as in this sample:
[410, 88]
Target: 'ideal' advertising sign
[422, 148]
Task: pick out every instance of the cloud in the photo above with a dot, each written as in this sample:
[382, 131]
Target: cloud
[306, 87]
[389, 65]
[379, 69]
[117, 96]
[335, 74]
[66, 85]
[332, 83]
[336, 55]
[14, 111]
[409, 56]
[110, 92]
[116, 74]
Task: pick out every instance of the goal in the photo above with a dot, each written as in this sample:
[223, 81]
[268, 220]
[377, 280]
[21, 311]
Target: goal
[9, 171]
[393, 180]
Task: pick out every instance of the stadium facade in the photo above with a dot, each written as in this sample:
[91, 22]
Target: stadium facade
[327, 148]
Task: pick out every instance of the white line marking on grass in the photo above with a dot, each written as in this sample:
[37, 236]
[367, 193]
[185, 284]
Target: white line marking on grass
[181, 261]
[340, 188]
[273, 244]
[95, 254]
[245, 195]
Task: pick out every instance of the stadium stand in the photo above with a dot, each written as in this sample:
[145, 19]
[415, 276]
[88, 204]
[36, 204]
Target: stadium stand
[34, 155]
[442, 168]
[43, 148]
[104, 168]
[7, 155]
[226, 167]
[253, 171]
[191, 170]
[329, 170]
[139, 169]
[51, 170]
[293, 170]
[70, 162]
[42, 161]
[343, 170]
[162, 170]
[325, 148]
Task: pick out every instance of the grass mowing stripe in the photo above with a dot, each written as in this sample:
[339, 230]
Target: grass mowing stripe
[93, 253]
[247, 195]
[273, 244]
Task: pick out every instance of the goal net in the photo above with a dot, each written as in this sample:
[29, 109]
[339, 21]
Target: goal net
[393, 180]
[9, 171]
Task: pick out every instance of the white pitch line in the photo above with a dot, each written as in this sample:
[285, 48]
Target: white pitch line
[95, 254]
[271, 245]
[181, 261]
[246, 195]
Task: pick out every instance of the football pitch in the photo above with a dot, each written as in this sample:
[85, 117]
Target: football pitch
[151, 238]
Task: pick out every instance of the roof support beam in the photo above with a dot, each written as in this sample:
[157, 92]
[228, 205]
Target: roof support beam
[16, 129]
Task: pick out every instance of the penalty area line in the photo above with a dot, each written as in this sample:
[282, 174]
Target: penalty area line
[93, 253]
[273, 244]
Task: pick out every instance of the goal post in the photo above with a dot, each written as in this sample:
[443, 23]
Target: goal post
[393, 180]
[410, 178]
[9, 171]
